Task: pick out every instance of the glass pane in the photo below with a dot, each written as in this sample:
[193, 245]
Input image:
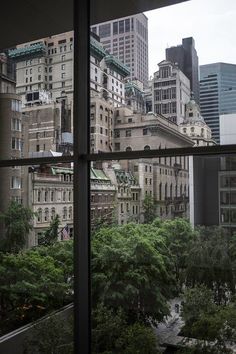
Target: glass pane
[36, 96]
[156, 89]
[36, 259]
[163, 243]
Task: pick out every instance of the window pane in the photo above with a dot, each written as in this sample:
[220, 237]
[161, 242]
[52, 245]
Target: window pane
[156, 235]
[36, 258]
[36, 96]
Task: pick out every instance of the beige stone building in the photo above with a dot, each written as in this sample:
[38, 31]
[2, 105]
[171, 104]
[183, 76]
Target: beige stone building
[171, 92]
[195, 127]
[127, 201]
[165, 179]
[50, 193]
[10, 137]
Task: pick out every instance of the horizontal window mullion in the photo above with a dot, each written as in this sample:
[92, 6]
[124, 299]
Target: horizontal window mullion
[36, 161]
[188, 151]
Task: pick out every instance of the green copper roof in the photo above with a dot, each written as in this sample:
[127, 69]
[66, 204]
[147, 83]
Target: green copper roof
[31, 50]
[57, 170]
[98, 175]
[97, 49]
[132, 86]
[125, 177]
[115, 63]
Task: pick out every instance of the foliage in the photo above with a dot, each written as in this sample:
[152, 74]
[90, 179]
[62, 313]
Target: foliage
[196, 301]
[51, 335]
[33, 283]
[178, 234]
[149, 209]
[112, 335]
[17, 222]
[51, 234]
[210, 262]
[213, 325]
[131, 269]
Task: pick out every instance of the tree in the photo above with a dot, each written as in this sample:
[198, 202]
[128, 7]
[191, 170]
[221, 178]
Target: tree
[179, 235]
[131, 269]
[149, 209]
[17, 221]
[211, 324]
[51, 234]
[211, 262]
[31, 285]
[111, 334]
[56, 336]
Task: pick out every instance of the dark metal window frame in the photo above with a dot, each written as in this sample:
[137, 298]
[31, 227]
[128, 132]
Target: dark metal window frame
[81, 160]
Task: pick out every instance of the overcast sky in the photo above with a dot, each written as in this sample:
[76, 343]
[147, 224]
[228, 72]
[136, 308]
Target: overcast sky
[212, 24]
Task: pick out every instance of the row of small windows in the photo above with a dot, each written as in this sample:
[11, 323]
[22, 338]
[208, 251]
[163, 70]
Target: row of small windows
[46, 215]
[50, 196]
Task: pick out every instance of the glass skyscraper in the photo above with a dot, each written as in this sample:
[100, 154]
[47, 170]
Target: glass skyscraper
[217, 94]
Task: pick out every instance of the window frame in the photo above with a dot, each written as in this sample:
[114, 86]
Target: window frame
[82, 159]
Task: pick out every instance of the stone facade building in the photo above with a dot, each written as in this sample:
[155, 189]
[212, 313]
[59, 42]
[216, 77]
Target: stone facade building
[51, 193]
[171, 92]
[195, 127]
[164, 179]
[10, 136]
[127, 39]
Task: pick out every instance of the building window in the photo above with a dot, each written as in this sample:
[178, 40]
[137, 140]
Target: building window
[145, 131]
[15, 182]
[128, 133]
[16, 143]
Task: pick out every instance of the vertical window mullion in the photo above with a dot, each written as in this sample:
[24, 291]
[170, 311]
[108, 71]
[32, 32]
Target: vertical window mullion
[81, 177]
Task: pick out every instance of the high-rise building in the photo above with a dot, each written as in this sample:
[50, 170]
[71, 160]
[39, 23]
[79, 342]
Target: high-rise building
[171, 92]
[185, 56]
[10, 135]
[127, 39]
[217, 93]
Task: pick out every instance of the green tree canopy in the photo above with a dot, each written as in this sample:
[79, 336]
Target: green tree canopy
[210, 262]
[131, 269]
[33, 283]
[17, 221]
[149, 209]
[51, 234]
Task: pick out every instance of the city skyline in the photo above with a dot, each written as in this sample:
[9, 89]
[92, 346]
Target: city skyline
[208, 23]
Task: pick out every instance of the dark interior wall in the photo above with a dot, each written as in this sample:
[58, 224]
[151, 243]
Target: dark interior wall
[206, 196]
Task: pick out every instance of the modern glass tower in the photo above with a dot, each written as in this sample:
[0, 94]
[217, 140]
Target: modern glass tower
[217, 93]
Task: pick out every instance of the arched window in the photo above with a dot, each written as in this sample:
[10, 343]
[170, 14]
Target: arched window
[146, 147]
[46, 196]
[46, 214]
[39, 215]
[64, 215]
[171, 190]
[69, 196]
[128, 148]
[165, 190]
[39, 196]
[52, 196]
[53, 213]
[64, 196]
[160, 191]
[70, 213]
